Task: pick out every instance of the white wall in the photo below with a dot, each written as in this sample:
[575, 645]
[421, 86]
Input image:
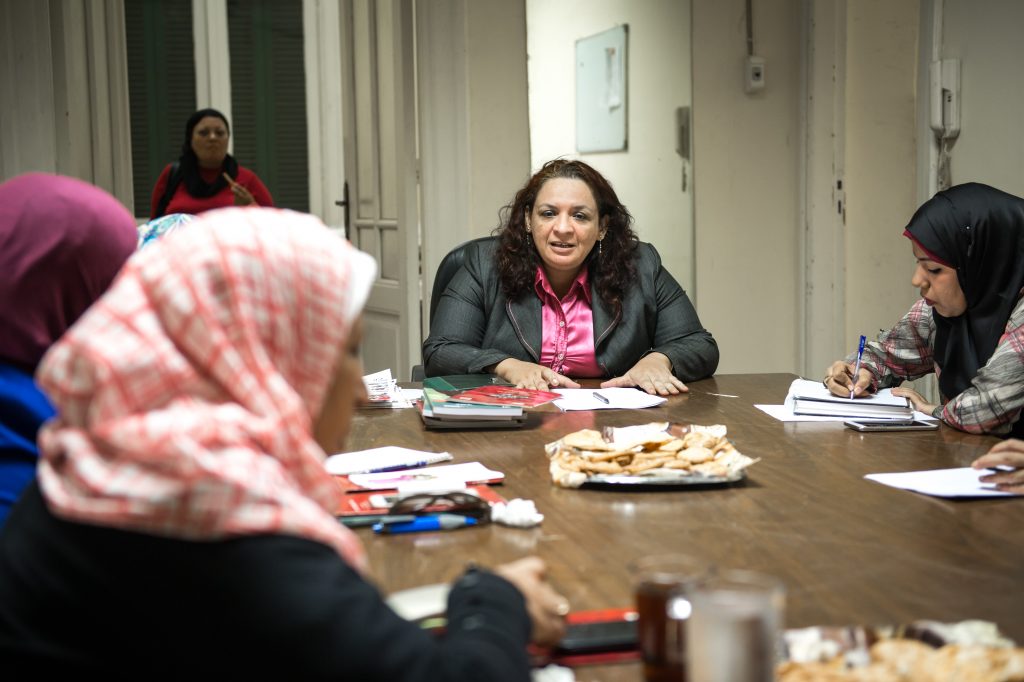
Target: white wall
[648, 176]
[881, 154]
[986, 37]
[28, 139]
[64, 92]
[473, 121]
[746, 163]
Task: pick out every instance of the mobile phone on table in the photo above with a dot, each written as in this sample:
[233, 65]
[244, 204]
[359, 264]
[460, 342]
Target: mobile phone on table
[891, 425]
[586, 638]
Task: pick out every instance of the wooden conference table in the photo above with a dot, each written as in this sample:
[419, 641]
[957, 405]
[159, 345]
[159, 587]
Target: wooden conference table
[849, 551]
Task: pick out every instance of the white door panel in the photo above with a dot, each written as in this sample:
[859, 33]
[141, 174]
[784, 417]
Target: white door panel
[380, 164]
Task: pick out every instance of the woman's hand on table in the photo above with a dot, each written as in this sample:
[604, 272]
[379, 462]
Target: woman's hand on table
[529, 375]
[920, 404]
[546, 607]
[653, 373]
[839, 380]
[1009, 453]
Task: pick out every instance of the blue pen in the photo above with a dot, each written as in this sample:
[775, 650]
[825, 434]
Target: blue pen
[426, 523]
[856, 368]
[397, 467]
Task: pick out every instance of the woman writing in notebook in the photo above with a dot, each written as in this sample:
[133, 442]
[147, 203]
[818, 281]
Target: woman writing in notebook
[182, 523]
[968, 326]
[566, 290]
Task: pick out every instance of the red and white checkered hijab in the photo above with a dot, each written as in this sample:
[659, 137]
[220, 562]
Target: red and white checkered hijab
[187, 394]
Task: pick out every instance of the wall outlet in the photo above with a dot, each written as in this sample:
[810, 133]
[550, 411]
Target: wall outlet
[753, 74]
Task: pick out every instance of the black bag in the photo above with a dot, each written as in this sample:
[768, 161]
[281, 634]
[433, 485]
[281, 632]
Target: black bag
[174, 179]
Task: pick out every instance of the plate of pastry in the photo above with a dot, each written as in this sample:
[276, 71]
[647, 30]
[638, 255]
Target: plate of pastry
[655, 454]
[924, 651]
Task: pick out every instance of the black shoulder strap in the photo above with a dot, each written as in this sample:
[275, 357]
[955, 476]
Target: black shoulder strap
[173, 180]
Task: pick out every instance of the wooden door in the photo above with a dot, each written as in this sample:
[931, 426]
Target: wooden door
[380, 168]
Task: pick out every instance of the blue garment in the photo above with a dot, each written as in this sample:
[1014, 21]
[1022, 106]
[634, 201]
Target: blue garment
[23, 409]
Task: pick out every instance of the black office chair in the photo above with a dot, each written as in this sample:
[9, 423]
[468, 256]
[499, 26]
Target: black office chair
[449, 265]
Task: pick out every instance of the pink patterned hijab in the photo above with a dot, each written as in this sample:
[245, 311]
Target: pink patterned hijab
[187, 395]
[62, 241]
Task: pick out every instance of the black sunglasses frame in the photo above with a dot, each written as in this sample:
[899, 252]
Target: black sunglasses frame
[462, 503]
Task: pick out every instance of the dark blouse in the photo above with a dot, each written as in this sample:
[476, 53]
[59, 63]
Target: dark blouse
[78, 599]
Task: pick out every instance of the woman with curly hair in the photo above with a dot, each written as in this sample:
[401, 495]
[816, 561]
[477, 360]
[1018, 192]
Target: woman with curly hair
[567, 290]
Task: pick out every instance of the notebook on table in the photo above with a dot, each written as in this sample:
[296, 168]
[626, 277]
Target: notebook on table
[812, 398]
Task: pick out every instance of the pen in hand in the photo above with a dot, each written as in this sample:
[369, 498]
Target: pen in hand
[856, 368]
[602, 398]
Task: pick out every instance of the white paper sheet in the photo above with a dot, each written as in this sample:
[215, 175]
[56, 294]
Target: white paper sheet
[618, 399]
[448, 476]
[960, 482]
[387, 458]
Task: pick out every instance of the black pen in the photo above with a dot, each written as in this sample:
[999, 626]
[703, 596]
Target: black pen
[372, 519]
[602, 398]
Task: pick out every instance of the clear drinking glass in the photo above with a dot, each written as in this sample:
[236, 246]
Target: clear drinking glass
[734, 630]
[661, 583]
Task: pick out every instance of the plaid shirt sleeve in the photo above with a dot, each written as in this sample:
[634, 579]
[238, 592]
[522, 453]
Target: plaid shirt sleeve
[995, 398]
[903, 353]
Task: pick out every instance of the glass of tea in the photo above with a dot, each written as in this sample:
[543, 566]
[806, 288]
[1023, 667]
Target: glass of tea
[661, 584]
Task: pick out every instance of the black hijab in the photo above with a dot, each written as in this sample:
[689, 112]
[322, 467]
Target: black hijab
[193, 180]
[979, 231]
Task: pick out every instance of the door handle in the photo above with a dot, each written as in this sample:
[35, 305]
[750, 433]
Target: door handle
[344, 203]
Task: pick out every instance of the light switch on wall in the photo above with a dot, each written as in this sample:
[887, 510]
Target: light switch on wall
[753, 74]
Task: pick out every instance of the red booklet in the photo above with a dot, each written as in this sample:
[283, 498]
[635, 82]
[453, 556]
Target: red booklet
[379, 501]
[504, 395]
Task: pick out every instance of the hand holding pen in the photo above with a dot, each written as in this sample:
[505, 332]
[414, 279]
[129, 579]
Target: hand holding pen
[849, 380]
[1006, 460]
[856, 368]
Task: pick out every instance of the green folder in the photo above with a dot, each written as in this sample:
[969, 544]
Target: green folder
[461, 382]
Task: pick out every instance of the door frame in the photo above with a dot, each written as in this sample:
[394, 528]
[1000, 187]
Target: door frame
[822, 305]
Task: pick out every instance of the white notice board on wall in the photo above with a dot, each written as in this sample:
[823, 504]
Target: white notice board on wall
[601, 91]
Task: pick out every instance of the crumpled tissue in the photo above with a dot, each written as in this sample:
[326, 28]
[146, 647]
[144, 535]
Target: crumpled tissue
[519, 513]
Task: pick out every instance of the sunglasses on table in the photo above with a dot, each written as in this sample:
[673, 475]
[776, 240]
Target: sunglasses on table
[465, 504]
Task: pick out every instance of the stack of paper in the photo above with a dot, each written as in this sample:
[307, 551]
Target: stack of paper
[383, 391]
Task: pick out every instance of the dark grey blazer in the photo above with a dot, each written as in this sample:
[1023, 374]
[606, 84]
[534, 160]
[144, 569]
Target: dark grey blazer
[476, 326]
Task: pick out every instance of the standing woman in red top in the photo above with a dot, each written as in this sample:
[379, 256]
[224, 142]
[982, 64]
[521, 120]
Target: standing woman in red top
[206, 176]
